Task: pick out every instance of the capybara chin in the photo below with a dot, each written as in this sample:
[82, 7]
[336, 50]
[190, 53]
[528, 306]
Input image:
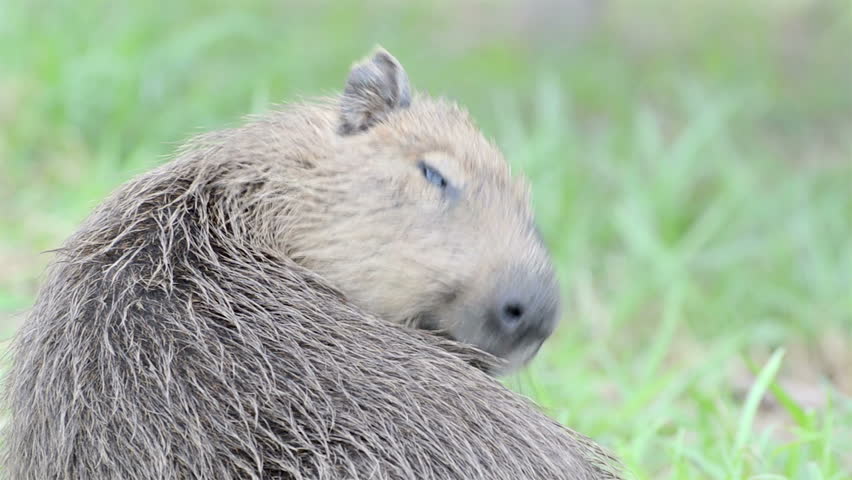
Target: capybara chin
[244, 311]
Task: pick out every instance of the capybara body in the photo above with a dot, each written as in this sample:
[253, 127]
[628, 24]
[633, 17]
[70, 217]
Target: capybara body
[245, 310]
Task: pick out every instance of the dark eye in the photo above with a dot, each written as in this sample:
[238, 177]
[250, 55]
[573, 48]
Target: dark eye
[432, 175]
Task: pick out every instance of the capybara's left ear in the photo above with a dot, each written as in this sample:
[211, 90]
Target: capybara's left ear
[376, 87]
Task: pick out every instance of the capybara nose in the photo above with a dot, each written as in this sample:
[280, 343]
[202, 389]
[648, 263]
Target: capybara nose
[533, 318]
[527, 307]
[512, 313]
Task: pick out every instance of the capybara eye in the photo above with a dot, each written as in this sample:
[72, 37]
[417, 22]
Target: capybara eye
[432, 175]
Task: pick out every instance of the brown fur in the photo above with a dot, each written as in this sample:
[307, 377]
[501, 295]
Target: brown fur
[241, 312]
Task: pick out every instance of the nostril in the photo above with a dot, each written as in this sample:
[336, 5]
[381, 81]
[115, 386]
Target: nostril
[513, 312]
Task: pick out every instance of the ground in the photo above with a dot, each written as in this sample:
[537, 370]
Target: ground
[691, 165]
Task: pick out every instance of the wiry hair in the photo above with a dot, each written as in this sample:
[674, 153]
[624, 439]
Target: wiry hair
[175, 339]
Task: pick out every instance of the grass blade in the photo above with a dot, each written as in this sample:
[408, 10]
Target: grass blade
[755, 395]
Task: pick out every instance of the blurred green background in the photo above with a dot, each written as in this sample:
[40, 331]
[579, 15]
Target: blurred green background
[691, 164]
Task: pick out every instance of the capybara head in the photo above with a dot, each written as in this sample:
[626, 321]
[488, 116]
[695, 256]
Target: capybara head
[415, 216]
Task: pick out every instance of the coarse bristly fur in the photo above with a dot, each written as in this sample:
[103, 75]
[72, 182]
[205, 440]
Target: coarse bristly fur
[245, 310]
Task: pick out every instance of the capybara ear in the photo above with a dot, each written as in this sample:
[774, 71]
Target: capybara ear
[376, 86]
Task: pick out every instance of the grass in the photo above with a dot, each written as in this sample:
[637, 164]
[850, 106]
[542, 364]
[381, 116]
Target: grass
[690, 171]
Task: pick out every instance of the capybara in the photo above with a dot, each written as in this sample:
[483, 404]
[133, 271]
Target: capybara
[318, 294]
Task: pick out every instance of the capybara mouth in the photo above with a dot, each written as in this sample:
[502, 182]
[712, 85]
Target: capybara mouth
[507, 355]
[429, 322]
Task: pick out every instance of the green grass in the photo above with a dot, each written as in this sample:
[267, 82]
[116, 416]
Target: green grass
[690, 164]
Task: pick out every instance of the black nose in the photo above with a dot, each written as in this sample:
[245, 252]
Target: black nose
[512, 313]
[535, 317]
[526, 306]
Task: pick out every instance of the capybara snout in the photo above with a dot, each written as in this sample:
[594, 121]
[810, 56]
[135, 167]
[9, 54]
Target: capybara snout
[524, 308]
[515, 314]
